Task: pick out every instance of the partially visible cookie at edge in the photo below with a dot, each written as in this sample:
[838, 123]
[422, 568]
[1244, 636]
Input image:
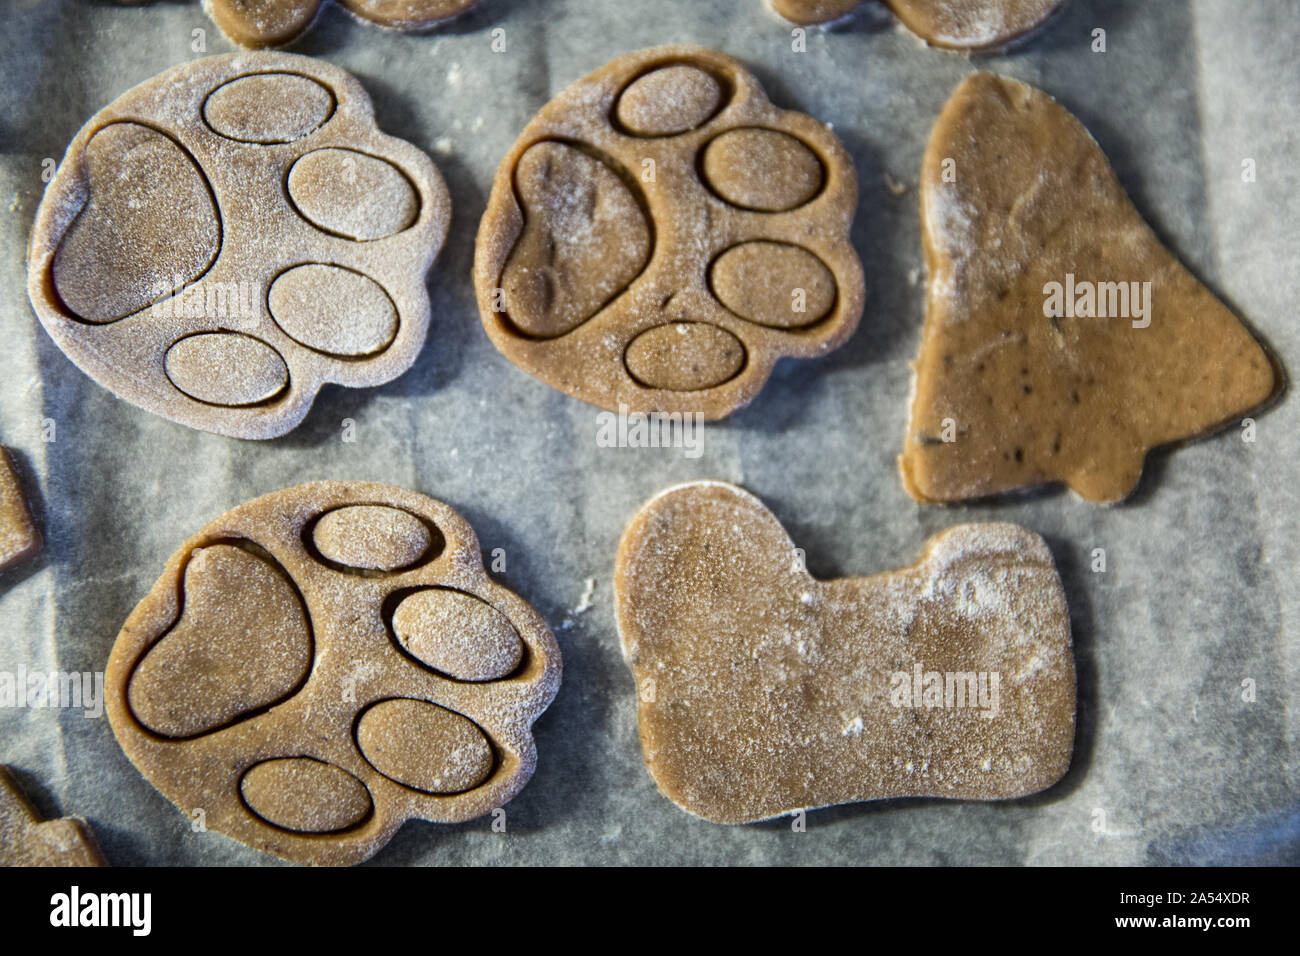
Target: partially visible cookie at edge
[973, 25]
[27, 840]
[813, 12]
[268, 23]
[19, 536]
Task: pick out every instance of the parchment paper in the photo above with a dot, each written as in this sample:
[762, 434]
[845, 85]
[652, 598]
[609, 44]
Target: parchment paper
[1199, 594]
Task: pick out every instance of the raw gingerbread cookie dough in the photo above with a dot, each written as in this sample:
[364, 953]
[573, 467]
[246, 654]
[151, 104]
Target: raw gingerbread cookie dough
[660, 234]
[956, 24]
[1062, 341]
[229, 236]
[19, 536]
[262, 23]
[324, 663]
[27, 840]
[809, 12]
[762, 690]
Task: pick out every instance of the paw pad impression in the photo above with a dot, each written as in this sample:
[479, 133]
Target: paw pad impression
[762, 690]
[660, 234]
[1015, 385]
[324, 663]
[229, 236]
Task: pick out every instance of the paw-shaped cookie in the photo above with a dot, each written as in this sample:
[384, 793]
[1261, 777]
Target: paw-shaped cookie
[229, 236]
[19, 536]
[660, 234]
[27, 840]
[762, 690]
[955, 24]
[262, 23]
[321, 664]
[1062, 341]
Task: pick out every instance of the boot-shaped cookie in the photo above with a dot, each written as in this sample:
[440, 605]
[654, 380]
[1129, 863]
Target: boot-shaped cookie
[322, 664]
[955, 24]
[1062, 341]
[762, 690]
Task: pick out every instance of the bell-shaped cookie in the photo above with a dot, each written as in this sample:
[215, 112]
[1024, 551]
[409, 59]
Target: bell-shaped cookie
[1062, 341]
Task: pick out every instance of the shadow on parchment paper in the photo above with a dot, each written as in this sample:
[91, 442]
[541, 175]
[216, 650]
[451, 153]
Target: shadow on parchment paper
[1067, 30]
[31, 787]
[172, 836]
[394, 113]
[1269, 840]
[452, 328]
[552, 795]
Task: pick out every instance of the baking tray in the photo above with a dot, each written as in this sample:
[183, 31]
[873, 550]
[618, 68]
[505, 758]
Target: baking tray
[1199, 592]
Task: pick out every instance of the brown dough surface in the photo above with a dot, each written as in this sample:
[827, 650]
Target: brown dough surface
[677, 294]
[263, 23]
[809, 12]
[762, 690]
[227, 237]
[955, 24]
[324, 663]
[1030, 399]
[27, 840]
[19, 536]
